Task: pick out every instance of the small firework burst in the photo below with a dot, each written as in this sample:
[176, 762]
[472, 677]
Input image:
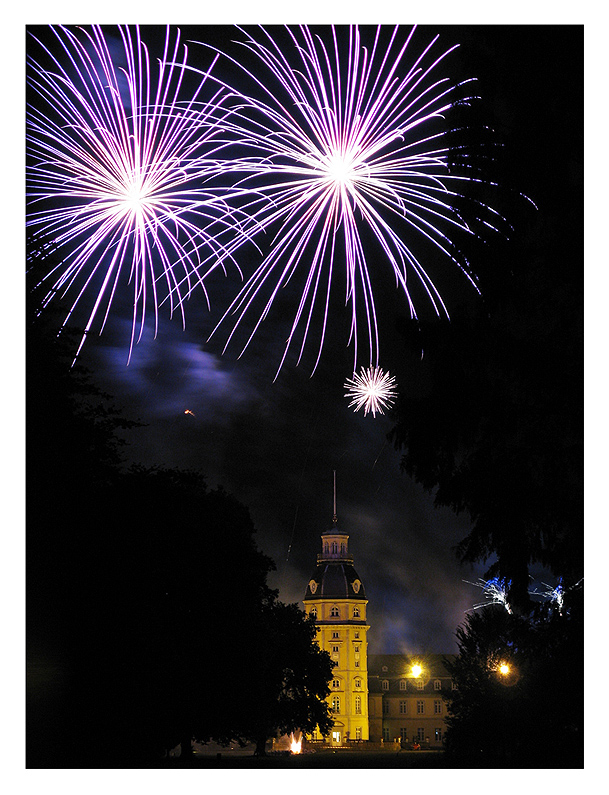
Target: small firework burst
[371, 389]
[495, 592]
[555, 595]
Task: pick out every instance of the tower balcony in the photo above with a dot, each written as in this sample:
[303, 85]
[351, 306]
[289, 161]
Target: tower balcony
[334, 556]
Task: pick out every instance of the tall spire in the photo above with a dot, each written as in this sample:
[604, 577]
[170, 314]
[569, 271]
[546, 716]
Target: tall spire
[335, 518]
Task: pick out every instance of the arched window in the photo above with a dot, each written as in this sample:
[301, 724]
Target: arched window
[358, 683]
[343, 549]
[334, 613]
[336, 704]
[385, 684]
[334, 547]
[358, 705]
[402, 684]
[356, 612]
[313, 612]
[326, 548]
[336, 683]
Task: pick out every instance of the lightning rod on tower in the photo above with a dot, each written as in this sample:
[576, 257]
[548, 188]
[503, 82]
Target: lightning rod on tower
[335, 518]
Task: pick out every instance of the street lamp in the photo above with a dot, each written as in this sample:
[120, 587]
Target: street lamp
[506, 673]
[416, 670]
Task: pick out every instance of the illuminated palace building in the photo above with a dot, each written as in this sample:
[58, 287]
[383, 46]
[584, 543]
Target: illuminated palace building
[388, 698]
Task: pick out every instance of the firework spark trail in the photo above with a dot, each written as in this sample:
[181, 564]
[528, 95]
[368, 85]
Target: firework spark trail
[371, 389]
[342, 140]
[556, 594]
[116, 170]
[495, 591]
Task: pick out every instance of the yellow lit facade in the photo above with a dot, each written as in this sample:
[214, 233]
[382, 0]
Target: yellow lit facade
[386, 699]
[336, 597]
[407, 698]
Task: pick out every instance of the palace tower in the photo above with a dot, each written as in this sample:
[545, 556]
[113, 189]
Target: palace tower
[336, 597]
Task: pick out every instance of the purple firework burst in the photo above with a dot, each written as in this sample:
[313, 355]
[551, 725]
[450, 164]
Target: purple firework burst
[118, 168]
[344, 147]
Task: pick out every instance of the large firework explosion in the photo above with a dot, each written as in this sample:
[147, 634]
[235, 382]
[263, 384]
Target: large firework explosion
[349, 164]
[118, 167]
[328, 148]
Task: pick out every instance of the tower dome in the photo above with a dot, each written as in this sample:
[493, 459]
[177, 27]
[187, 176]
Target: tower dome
[335, 576]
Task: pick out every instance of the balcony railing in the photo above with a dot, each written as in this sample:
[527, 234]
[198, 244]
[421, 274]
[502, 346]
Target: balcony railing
[334, 556]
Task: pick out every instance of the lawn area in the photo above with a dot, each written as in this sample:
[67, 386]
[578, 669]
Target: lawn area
[318, 759]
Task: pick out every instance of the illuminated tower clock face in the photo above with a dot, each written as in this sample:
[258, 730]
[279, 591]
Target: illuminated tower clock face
[313, 586]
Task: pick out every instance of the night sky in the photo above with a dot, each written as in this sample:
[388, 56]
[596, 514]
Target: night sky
[275, 444]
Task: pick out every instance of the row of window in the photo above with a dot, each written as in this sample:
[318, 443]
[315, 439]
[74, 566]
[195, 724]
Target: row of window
[420, 684]
[336, 735]
[418, 736]
[335, 708]
[420, 707]
[333, 548]
[335, 612]
[336, 684]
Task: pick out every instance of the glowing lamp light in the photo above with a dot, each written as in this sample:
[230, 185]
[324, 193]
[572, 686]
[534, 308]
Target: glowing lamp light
[296, 746]
[416, 670]
[504, 669]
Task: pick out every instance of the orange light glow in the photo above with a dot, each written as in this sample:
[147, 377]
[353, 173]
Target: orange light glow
[416, 670]
[296, 747]
[504, 669]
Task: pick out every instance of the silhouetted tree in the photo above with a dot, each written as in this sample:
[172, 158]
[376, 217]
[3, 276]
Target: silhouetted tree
[147, 596]
[73, 457]
[288, 678]
[491, 409]
[490, 416]
[182, 583]
[491, 420]
[230, 662]
[532, 715]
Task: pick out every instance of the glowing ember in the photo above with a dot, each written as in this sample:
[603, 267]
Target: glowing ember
[295, 746]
